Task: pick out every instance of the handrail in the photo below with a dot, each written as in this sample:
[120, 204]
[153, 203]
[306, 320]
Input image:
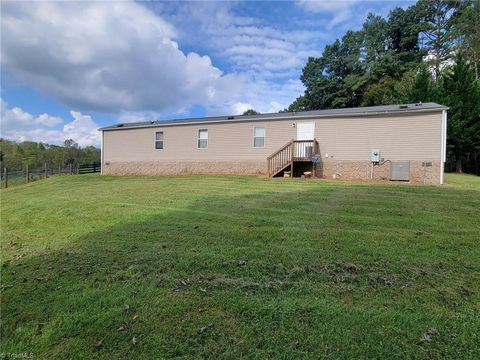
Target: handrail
[294, 150]
[281, 149]
[281, 158]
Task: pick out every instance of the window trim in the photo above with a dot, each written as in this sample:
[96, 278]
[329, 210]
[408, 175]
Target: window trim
[155, 140]
[264, 137]
[198, 139]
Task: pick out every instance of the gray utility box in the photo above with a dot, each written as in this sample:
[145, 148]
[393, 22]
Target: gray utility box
[308, 151]
[400, 170]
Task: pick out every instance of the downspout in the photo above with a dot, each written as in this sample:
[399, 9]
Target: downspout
[101, 154]
[443, 150]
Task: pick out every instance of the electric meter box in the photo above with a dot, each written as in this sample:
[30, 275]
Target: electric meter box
[375, 155]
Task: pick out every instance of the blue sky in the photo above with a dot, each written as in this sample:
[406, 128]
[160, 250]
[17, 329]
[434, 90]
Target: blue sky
[68, 68]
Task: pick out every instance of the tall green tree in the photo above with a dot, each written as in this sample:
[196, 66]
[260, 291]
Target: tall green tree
[403, 29]
[336, 79]
[423, 88]
[374, 39]
[439, 18]
[250, 112]
[382, 51]
[461, 92]
[467, 31]
[389, 91]
[382, 92]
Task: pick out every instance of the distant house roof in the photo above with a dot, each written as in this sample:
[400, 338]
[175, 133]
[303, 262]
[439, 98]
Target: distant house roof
[358, 111]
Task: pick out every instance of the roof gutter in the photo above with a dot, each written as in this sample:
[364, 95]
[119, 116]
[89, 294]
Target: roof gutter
[289, 117]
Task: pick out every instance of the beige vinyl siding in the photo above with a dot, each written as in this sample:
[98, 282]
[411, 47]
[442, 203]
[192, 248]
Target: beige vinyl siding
[406, 137]
[228, 141]
[399, 137]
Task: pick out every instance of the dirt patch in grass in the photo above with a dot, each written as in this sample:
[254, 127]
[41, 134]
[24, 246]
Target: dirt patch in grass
[280, 277]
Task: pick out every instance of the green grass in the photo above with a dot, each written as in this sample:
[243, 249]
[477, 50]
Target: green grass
[240, 267]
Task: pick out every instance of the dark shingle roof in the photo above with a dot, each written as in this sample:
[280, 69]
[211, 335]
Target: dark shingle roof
[358, 111]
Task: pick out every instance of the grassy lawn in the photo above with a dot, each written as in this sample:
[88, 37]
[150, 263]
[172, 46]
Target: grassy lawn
[232, 267]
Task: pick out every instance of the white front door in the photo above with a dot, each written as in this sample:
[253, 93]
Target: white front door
[305, 131]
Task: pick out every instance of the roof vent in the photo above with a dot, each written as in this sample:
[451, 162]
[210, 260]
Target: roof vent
[231, 117]
[403, 106]
[119, 125]
[419, 104]
[151, 122]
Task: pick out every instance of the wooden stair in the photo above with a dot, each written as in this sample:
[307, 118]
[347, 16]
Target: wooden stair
[287, 155]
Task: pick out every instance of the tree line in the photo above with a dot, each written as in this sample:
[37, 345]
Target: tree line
[428, 52]
[18, 155]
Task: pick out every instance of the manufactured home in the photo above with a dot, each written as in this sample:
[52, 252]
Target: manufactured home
[394, 142]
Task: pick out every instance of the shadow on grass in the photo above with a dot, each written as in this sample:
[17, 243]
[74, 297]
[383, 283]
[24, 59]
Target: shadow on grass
[315, 273]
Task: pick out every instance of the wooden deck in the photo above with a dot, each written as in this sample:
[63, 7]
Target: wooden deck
[287, 155]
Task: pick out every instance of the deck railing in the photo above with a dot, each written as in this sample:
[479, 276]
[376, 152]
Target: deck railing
[294, 150]
[304, 149]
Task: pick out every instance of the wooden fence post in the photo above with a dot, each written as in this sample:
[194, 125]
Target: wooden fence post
[5, 177]
[59, 169]
[27, 176]
[45, 171]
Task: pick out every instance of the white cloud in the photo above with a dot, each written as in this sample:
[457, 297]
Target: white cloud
[275, 106]
[19, 125]
[123, 58]
[338, 11]
[268, 56]
[82, 129]
[110, 57]
[47, 120]
[21, 119]
[239, 108]
[251, 45]
[263, 96]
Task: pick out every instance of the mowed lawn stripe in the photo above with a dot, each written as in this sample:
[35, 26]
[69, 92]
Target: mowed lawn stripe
[231, 267]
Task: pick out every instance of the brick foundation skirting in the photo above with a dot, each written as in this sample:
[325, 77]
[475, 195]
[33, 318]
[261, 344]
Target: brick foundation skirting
[328, 169]
[362, 170]
[186, 168]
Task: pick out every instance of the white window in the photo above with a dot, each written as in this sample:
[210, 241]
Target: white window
[259, 137]
[159, 140]
[202, 139]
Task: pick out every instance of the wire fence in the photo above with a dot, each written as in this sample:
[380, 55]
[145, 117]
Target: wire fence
[26, 175]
